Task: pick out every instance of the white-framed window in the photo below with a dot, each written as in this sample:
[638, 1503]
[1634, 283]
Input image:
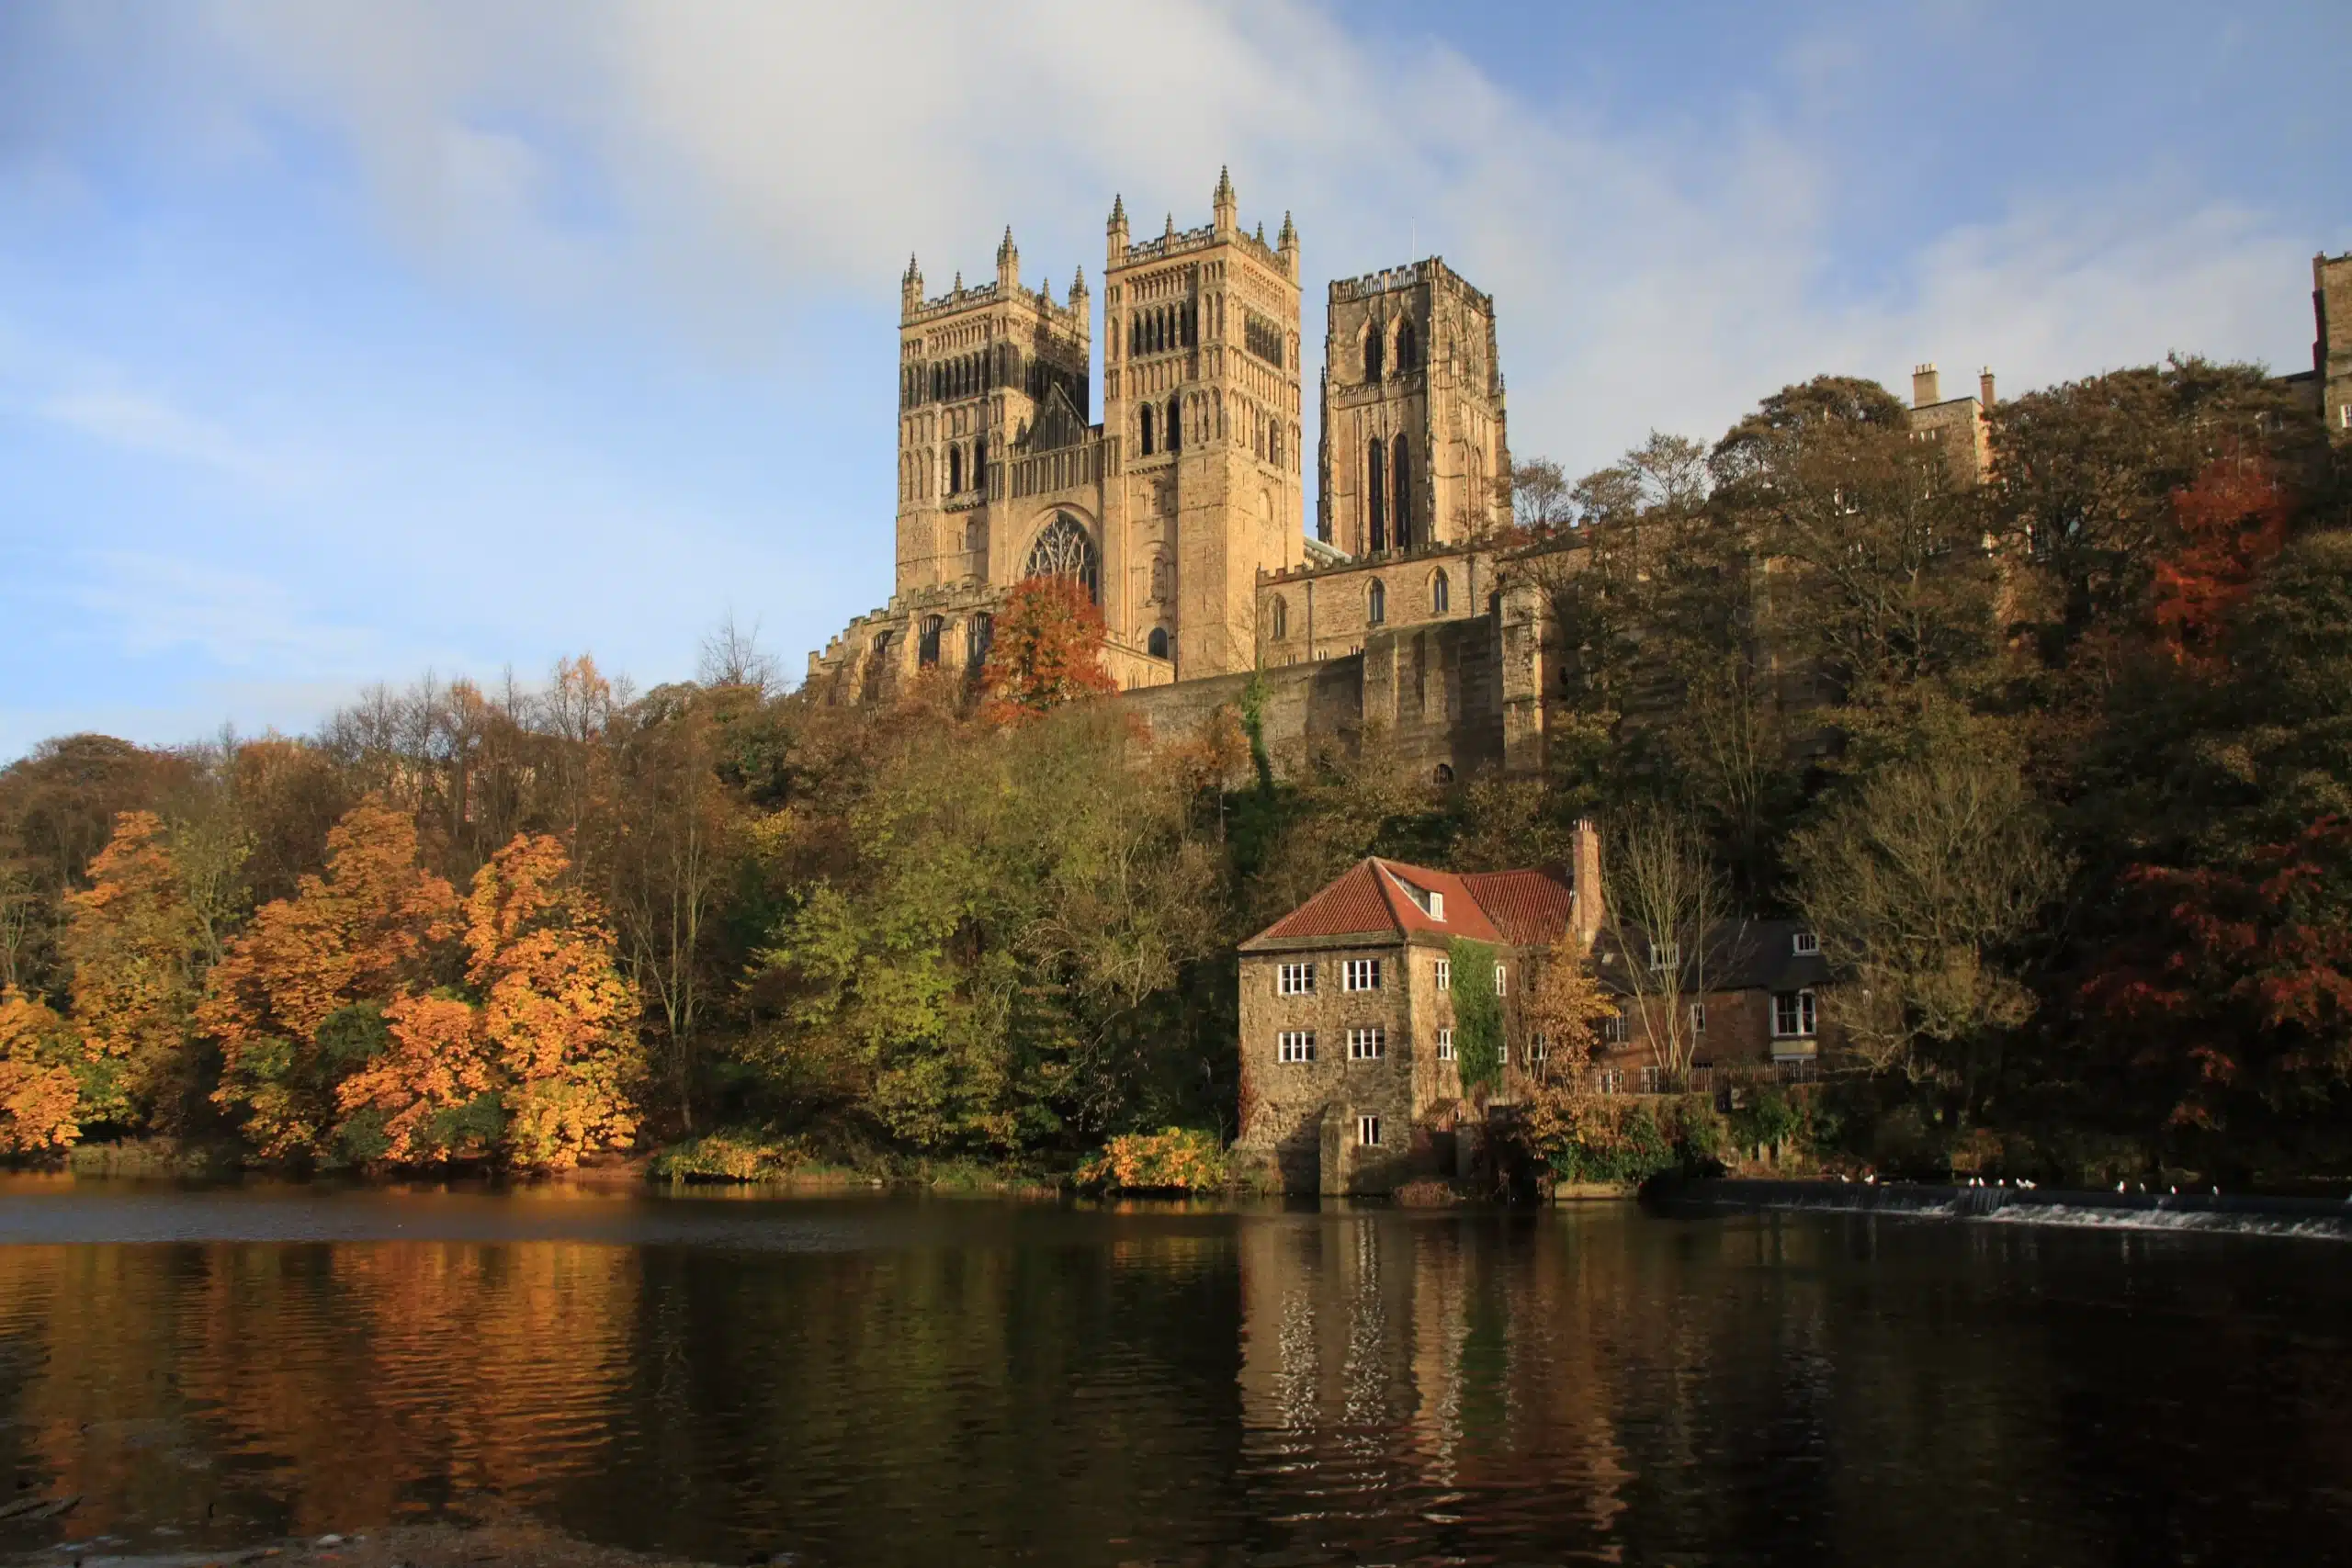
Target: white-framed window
[1805, 944]
[1296, 1046]
[1295, 980]
[1665, 955]
[1649, 1079]
[1697, 1017]
[1367, 1045]
[1445, 1045]
[1436, 905]
[1368, 1132]
[1445, 974]
[1610, 1080]
[1613, 1028]
[1360, 974]
[1502, 981]
[1538, 1048]
[1793, 1016]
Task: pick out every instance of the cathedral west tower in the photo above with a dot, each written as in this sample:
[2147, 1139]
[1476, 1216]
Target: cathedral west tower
[977, 369]
[1201, 408]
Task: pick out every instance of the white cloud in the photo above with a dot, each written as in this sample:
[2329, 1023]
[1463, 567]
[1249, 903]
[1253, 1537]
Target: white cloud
[740, 156]
[241, 620]
[141, 422]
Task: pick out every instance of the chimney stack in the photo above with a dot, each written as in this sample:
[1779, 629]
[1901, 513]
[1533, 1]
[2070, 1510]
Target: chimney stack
[1590, 902]
[1925, 386]
[1985, 387]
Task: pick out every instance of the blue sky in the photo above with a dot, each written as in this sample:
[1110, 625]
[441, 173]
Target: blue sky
[339, 342]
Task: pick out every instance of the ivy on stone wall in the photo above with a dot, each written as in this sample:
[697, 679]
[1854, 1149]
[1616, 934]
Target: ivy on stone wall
[1477, 1015]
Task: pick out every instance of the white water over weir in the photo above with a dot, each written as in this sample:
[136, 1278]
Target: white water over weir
[2317, 1218]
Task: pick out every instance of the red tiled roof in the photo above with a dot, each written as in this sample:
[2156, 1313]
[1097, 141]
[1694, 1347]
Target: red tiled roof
[1534, 908]
[1520, 908]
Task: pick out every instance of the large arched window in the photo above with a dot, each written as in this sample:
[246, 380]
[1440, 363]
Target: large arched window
[1375, 495]
[955, 470]
[1176, 424]
[927, 648]
[1372, 352]
[1441, 594]
[1282, 619]
[1400, 496]
[1145, 428]
[1376, 603]
[1408, 350]
[979, 632]
[1157, 644]
[1064, 549]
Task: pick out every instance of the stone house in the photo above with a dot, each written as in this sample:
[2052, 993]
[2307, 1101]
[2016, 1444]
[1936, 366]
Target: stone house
[1753, 1002]
[1348, 1077]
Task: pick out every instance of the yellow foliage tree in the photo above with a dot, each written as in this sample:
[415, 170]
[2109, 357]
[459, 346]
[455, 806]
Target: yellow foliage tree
[132, 939]
[558, 1016]
[39, 1094]
[364, 933]
[436, 1070]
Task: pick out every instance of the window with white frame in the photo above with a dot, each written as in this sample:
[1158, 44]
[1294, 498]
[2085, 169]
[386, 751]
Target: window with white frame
[1295, 980]
[1665, 955]
[1367, 1045]
[1502, 981]
[1445, 974]
[1610, 1080]
[1296, 1046]
[1793, 1015]
[1613, 1028]
[1360, 974]
[1538, 1048]
[1697, 1017]
[1805, 944]
[1368, 1132]
[1445, 1045]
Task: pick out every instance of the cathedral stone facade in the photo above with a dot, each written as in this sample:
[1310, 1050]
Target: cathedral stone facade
[1181, 510]
[1168, 511]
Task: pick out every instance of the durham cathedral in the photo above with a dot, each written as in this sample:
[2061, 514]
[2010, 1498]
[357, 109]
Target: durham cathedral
[1181, 510]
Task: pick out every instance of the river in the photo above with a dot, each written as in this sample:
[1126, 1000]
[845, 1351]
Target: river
[888, 1380]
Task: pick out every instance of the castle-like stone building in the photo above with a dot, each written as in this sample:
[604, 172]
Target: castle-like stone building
[1186, 501]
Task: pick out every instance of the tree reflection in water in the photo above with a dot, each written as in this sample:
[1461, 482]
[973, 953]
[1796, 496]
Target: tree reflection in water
[887, 1381]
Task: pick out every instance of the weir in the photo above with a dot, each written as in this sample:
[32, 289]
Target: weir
[2251, 1214]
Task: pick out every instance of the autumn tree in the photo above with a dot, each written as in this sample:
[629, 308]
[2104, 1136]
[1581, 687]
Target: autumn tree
[2230, 522]
[364, 935]
[559, 1017]
[41, 1092]
[134, 941]
[1666, 909]
[1564, 1009]
[1920, 881]
[1047, 650]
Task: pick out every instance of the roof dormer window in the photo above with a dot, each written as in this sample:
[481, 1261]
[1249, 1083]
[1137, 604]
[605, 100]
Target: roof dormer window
[1806, 943]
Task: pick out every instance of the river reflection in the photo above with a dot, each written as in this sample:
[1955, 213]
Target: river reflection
[882, 1382]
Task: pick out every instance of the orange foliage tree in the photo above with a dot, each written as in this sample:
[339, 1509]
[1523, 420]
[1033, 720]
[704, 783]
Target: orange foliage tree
[557, 1015]
[40, 1096]
[132, 939]
[545, 1065]
[1047, 650]
[362, 935]
[2231, 520]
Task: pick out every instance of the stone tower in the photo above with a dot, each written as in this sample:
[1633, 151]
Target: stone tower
[2332, 343]
[978, 368]
[1414, 446]
[1201, 414]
